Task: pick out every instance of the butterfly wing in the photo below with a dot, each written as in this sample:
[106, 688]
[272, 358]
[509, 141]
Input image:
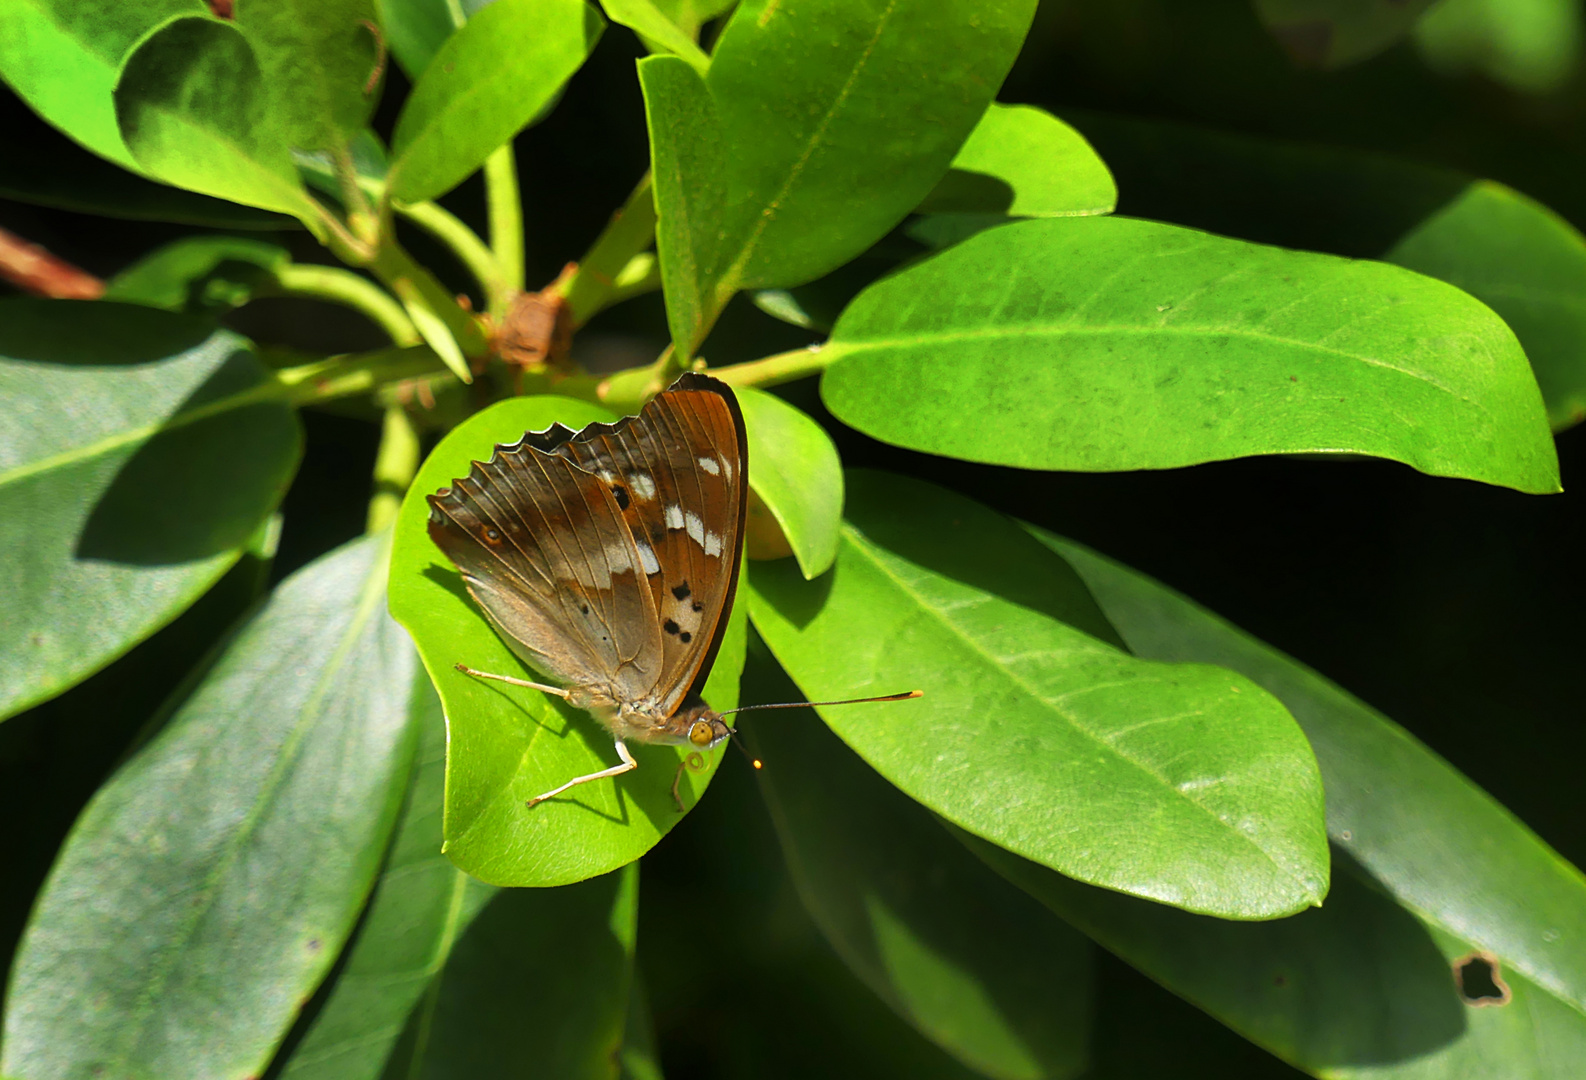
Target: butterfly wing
[677, 472]
[543, 550]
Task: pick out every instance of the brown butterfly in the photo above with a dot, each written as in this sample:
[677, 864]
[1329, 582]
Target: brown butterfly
[608, 558]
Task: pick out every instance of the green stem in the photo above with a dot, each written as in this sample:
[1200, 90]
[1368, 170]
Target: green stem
[779, 368]
[506, 222]
[394, 468]
[351, 290]
[641, 275]
[453, 333]
[355, 373]
[630, 231]
[463, 242]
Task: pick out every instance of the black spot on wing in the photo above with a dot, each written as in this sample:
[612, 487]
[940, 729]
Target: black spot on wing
[682, 592]
[670, 627]
[622, 496]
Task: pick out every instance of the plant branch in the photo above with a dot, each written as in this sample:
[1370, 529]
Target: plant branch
[505, 203]
[352, 290]
[453, 333]
[776, 369]
[34, 270]
[463, 242]
[394, 468]
[630, 231]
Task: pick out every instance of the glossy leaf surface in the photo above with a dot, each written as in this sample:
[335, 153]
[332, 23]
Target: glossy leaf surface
[192, 106]
[209, 885]
[688, 168]
[486, 83]
[1024, 162]
[794, 468]
[508, 744]
[1099, 344]
[969, 961]
[1509, 252]
[1187, 784]
[537, 986]
[63, 57]
[199, 274]
[151, 451]
[421, 905]
[810, 92]
[416, 29]
[1419, 829]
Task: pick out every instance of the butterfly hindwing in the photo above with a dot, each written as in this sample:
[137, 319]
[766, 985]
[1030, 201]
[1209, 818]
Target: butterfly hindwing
[609, 557]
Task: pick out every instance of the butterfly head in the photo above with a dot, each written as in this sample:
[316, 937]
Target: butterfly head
[700, 726]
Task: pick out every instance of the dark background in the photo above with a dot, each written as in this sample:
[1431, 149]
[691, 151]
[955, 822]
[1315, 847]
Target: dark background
[1450, 606]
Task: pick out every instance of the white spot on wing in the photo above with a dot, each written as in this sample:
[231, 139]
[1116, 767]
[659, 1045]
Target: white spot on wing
[674, 516]
[712, 544]
[710, 465]
[607, 475]
[617, 558]
[696, 528]
[642, 485]
[647, 557]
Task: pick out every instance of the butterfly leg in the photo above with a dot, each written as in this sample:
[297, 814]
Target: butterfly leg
[694, 762]
[544, 688]
[627, 765]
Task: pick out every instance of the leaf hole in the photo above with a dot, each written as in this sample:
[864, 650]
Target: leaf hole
[1479, 978]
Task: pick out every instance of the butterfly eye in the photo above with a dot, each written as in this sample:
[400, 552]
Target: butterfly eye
[700, 734]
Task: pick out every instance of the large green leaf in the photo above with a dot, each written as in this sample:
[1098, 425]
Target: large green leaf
[1024, 162]
[810, 94]
[1512, 254]
[1533, 46]
[974, 965]
[421, 905]
[146, 450]
[192, 104]
[1423, 832]
[207, 888]
[688, 168]
[64, 56]
[415, 30]
[318, 59]
[795, 470]
[537, 986]
[486, 83]
[1187, 784]
[507, 744]
[1108, 343]
[1332, 33]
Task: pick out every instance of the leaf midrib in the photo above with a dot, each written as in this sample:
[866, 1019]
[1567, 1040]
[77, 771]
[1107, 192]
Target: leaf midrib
[163, 966]
[861, 545]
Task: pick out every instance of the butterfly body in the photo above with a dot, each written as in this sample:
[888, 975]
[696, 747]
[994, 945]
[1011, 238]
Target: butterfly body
[607, 558]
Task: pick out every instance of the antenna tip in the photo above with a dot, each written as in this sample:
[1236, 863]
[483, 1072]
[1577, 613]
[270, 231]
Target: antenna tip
[759, 764]
[916, 693]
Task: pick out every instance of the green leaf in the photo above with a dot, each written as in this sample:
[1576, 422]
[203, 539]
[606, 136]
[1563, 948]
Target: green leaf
[191, 103]
[1110, 343]
[486, 83]
[1034, 733]
[1333, 33]
[1533, 46]
[369, 165]
[421, 905]
[538, 986]
[207, 888]
[1423, 832]
[1358, 988]
[690, 15]
[199, 274]
[795, 470]
[63, 58]
[317, 59]
[508, 745]
[415, 30]
[1512, 254]
[1024, 162]
[150, 448]
[688, 169]
[647, 20]
[640, 1058]
[810, 93]
[1527, 264]
[972, 964]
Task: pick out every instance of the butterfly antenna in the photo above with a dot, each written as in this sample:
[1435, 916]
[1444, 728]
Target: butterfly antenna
[737, 740]
[811, 704]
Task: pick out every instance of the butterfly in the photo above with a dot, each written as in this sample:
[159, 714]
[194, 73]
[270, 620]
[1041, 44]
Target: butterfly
[607, 559]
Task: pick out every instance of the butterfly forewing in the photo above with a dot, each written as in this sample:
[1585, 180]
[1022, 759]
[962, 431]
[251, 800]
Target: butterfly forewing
[610, 555]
